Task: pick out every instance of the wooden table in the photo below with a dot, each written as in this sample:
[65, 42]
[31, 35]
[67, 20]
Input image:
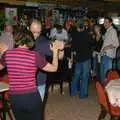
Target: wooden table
[113, 91]
[3, 88]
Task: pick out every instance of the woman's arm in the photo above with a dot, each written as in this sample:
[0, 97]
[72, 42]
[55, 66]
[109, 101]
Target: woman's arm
[3, 48]
[54, 66]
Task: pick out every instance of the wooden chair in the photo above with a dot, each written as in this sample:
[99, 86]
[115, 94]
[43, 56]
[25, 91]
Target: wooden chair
[106, 107]
[6, 98]
[5, 79]
[112, 75]
[116, 60]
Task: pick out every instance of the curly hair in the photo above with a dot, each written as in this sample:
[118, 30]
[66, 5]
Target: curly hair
[24, 37]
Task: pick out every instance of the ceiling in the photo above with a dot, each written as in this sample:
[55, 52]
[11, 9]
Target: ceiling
[98, 5]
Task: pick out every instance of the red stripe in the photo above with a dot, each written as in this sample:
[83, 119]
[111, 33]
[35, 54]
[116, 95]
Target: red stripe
[21, 62]
[21, 65]
[20, 59]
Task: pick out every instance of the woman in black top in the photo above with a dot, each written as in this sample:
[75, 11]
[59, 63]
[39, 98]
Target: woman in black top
[97, 36]
[98, 42]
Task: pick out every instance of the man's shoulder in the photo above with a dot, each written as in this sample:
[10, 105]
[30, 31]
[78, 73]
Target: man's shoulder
[112, 29]
[42, 39]
[42, 43]
[2, 36]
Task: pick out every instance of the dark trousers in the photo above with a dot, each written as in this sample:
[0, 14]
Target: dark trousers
[27, 106]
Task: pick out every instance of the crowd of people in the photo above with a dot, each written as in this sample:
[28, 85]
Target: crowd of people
[23, 51]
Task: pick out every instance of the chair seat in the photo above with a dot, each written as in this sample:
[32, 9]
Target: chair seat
[115, 110]
[103, 100]
[1, 105]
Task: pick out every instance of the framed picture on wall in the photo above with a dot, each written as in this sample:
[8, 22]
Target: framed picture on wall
[11, 16]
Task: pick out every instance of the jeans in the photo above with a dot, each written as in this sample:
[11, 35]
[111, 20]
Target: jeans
[80, 79]
[41, 89]
[105, 65]
[96, 67]
[26, 106]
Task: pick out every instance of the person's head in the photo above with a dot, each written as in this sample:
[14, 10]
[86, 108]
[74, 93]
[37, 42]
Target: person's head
[97, 29]
[80, 28]
[24, 37]
[92, 22]
[107, 22]
[8, 28]
[35, 27]
[59, 28]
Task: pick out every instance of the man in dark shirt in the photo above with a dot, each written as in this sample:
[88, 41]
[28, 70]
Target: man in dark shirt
[82, 45]
[42, 46]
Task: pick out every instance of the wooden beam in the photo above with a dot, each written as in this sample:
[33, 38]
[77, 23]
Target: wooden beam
[12, 2]
[112, 0]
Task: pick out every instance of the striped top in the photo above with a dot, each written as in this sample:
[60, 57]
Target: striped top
[21, 66]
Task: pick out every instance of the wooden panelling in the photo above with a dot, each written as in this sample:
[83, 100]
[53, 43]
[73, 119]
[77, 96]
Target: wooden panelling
[97, 5]
[112, 0]
[12, 2]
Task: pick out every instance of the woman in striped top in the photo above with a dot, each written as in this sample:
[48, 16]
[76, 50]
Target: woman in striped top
[22, 64]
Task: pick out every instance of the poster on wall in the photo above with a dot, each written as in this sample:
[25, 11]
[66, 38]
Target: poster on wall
[11, 16]
[56, 16]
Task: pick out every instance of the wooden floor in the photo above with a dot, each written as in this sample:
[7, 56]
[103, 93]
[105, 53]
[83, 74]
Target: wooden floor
[72, 108]
[64, 107]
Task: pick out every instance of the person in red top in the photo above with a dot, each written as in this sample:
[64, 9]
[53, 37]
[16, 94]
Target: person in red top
[22, 65]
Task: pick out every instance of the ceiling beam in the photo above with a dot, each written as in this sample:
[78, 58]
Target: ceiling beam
[112, 0]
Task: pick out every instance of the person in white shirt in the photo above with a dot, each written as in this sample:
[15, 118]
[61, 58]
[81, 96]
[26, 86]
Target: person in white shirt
[110, 44]
[59, 33]
[7, 36]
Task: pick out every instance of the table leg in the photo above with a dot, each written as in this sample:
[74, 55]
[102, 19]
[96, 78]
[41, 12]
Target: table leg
[4, 106]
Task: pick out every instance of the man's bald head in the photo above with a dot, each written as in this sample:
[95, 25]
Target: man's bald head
[35, 28]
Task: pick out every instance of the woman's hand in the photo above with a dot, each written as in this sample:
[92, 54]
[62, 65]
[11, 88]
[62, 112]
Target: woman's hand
[54, 46]
[59, 45]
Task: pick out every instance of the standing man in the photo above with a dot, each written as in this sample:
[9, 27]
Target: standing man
[110, 44]
[42, 46]
[59, 33]
[82, 45]
[7, 36]
[7, 39]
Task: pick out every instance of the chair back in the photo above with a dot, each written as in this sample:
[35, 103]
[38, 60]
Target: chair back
[102, 96]
[4, 78]
[118, 58]
[112, 75]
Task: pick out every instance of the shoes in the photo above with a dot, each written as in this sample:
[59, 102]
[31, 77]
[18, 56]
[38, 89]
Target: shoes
[72, 94]
[83, 96]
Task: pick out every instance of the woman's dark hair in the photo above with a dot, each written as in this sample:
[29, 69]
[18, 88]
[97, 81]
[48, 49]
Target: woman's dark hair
[59, 28]
[24, 37]
[109, 19]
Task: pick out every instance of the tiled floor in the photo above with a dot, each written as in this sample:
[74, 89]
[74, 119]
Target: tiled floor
[64, 107]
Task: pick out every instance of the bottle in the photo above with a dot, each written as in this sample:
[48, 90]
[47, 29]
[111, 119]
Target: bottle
[69, 64]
